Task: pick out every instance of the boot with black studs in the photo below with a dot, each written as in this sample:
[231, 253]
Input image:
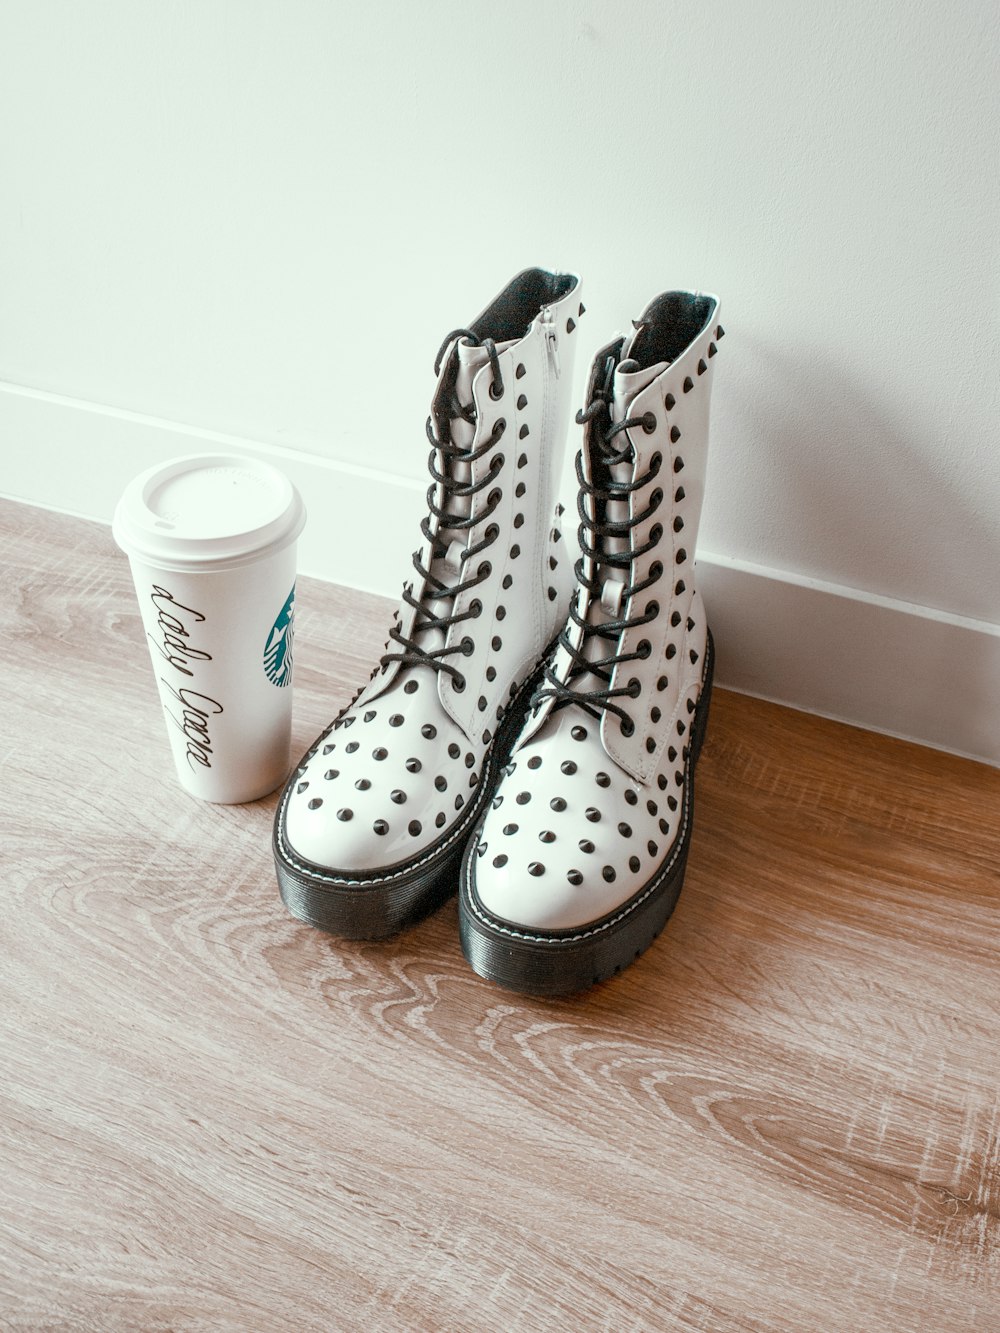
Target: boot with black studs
[579, 860]
[370, 829]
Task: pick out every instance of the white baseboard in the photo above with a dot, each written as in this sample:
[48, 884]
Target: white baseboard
[884, 665]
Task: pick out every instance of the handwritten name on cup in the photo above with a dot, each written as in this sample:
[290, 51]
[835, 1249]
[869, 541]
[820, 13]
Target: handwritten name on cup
[172, 640]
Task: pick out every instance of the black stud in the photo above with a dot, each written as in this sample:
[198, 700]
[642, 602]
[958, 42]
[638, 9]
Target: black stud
[654, 715]
[702, 367]
[536, 868]
[720, 332]
[522, 434]
[510, 829]
[315, 803]
[609, 873]
[515, 551]
[552, 594]
[522, 461]
[570, 325]
[470, 759]
[301, 787]
[380, 827]
[634, 864]
[671, 651]
[650, 744]
[522, 402]
[579, 733]
[328, 749]
[664, 827]
[678, 523]
[593, 814]
[568, 767]
[547, 835]
[362, 784]
[712, 349]
[630, 797]
[519, 372]
[345, 815]
[669, 402]
[481, 704]
[651, 847]
[396, 720]
[672, 802]
[414, 828]
[678, 464]
[585, 845]
[574, 876]
[397, 797]
[351, 746]
[602, 780]
[518, 520]
[332, 773]
[523, 797]
[535, 761]
[625, 830]
[500, 861]
[413, 765]
[441, 783]
[582, 308]
[557, 803]
[675, 434]
[379, 752]
[680, 494]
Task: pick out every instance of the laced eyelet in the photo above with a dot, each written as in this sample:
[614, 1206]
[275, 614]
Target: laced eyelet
[627, 727]
[498, 462]
[656, 499]
[652, 610]
[475, 608]
[656, 569]
[494, 497]
[491, 533]
[496, 393]
[634, 688]
[459, 683]
[656, 462]
[656, 532]
[485, 570]
[468, 648]
[649, 423]
[644, 648]
[499, 426]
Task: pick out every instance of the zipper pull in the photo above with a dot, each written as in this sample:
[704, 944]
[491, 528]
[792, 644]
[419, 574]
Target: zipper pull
[551, 341]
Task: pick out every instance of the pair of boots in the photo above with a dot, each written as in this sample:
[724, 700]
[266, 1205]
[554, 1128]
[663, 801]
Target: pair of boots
[529, 736]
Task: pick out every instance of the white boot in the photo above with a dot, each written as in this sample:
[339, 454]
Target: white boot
[578, 863]
[371, 827]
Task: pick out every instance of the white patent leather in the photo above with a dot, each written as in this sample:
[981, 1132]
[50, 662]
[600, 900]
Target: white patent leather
[415, 784]
[617, 813]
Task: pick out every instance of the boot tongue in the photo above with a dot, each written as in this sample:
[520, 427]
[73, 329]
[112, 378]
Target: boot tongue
[448, 569]
[629, 380]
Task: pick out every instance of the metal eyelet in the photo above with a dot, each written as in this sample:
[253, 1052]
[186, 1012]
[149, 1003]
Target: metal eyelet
[627, 727]
[485, 570]
[634, 688]
[459, 683]
[495, 393]
[656, 499]
[656, 532]
[656, 462]
[475, 608]
[656, 569]
[649, 423]
[644, 648]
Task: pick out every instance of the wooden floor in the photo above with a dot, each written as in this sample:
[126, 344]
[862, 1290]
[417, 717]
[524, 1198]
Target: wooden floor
[784, 1116]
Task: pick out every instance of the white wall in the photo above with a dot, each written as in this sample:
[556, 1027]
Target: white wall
[259, 220]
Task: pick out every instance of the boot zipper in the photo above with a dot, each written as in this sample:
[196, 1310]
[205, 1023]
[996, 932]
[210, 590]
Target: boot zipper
[548, 324]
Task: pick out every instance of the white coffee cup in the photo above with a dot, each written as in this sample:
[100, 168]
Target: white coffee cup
[211, 542]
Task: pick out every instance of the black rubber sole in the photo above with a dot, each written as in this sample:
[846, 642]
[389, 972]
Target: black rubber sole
[533, 963]
[403, 894]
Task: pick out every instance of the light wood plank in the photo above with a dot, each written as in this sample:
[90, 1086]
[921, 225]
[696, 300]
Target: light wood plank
[783, 1117]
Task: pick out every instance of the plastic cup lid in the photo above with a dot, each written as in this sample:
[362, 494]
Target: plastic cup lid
[211, 510]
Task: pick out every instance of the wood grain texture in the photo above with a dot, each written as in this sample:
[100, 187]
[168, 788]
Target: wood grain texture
[783, 1117]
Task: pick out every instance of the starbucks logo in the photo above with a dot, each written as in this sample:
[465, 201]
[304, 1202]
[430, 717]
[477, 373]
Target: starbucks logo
[278, 649]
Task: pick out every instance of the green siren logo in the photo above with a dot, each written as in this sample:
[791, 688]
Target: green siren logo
[278, 649]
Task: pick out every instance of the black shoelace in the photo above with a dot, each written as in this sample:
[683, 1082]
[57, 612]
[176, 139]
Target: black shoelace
[593, 535]
[434, 590]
